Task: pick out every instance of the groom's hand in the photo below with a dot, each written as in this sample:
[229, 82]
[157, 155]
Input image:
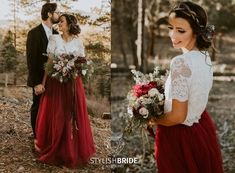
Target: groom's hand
[39, 89]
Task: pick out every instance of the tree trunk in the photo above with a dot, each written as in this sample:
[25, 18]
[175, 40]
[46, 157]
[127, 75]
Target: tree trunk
[6, 80]
[122, 46]
[120, 31]
[14, 15]
[15, 78]
[134, 50]
[139, 32]
[151, 40]
[143, 58]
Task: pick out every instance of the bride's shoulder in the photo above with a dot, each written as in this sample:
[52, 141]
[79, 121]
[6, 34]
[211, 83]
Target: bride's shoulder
[181, 61]
[178, 59]
[77, 38]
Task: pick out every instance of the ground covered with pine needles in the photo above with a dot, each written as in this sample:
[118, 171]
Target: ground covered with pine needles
[16, 136]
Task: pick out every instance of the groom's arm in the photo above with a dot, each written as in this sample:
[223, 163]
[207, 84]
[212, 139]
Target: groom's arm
[32, 51]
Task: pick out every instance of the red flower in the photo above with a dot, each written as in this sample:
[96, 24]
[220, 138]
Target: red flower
[140, 90]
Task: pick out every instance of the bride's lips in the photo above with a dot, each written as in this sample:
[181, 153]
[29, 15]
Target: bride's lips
[176, 43]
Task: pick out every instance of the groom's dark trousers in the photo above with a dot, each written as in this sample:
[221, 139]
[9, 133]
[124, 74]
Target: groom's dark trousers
[36, 46]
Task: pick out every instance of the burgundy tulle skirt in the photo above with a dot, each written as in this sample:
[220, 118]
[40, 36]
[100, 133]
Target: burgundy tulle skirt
[63, 130]
[188, 149]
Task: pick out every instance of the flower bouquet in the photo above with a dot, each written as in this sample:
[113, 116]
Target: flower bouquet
[66, 67]
[145, 99]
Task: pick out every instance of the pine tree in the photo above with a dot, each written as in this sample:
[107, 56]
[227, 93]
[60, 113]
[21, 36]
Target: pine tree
[9, 55]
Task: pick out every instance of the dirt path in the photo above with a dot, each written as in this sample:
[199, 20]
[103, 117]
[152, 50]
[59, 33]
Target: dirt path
[16, 143]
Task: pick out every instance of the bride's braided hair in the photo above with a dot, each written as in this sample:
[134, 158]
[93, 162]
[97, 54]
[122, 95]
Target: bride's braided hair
[197, 18]
[72, 24]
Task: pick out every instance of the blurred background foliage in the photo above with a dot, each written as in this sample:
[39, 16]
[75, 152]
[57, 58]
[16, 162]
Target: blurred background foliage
[156, 46]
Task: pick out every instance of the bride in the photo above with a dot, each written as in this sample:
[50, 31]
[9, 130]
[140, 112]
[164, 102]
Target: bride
[186, 138]
[63, 131]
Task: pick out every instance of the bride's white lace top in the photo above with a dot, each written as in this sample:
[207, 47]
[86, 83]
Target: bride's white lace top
[190, 79]
[57, 46]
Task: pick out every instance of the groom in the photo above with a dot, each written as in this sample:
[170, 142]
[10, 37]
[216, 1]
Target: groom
[36, 46]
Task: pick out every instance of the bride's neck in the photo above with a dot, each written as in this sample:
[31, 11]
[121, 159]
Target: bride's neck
[66, 36]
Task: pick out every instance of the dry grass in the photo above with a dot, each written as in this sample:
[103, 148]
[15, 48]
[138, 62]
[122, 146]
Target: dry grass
[97, 106]
[15, 136]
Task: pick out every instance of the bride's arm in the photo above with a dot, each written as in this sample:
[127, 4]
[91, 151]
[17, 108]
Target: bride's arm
[180, 82]
[176, 116]
[44, 79]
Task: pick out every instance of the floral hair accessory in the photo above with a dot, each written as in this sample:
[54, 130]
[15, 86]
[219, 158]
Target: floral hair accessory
[208, 32]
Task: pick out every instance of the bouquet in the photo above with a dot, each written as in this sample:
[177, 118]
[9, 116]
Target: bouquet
[65, 67]
[146, 98]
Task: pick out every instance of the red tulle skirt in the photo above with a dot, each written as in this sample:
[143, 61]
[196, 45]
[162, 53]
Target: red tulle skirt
[188, 149]
[63, 130]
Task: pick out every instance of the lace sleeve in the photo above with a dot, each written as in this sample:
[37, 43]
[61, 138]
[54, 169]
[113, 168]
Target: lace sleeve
[81, 48]
[51, 45]
[180, 78]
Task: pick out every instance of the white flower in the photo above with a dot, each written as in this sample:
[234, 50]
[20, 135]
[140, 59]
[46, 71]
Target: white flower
[160, 97]
[146, 100]
[140, 99]
[57, 67]
[151, 76]
[84, 72]
[54, 74]
[61, 63]
[143, 111]
[89, 62]
[70, 64]
[130, 112]
[64, 69]
[153, 92]
[136, 105]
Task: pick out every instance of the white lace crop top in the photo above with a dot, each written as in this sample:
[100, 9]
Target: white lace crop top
[190, 78]
[57, 46]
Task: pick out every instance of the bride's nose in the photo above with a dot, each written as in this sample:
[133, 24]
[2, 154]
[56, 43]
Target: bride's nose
[172, 34]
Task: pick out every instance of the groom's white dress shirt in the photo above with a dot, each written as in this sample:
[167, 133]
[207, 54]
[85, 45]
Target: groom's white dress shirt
[47, 30]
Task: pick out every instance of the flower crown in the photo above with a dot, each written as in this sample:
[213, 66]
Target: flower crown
[187, 11]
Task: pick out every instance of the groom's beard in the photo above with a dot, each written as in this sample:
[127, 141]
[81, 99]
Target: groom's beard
[54, 21]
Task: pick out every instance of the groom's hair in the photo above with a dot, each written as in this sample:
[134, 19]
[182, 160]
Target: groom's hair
[48, 8]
